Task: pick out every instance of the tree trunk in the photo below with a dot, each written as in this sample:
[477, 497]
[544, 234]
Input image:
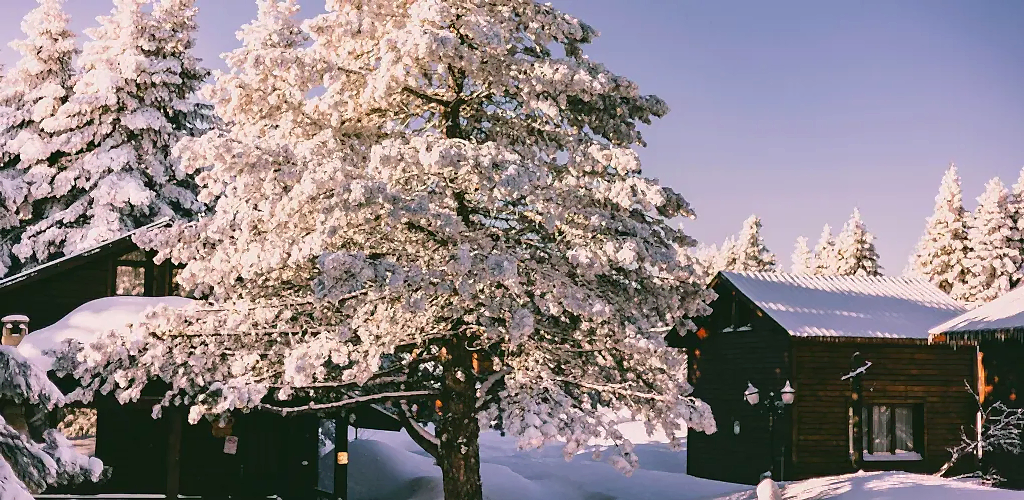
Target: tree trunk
[458, 429]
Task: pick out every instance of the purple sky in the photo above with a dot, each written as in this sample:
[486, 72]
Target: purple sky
[797, 111]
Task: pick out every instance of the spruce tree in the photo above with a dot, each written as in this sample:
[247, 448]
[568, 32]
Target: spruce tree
[1016, 214]
[803, 258]
[464, 188]
[33, 457]
[941, 253]
[825, 258]
[133, 102]
[993, 261]
[855, 249]
[747, 252]
[32, 92]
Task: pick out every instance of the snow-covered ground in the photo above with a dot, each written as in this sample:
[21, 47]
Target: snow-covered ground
[389, 466]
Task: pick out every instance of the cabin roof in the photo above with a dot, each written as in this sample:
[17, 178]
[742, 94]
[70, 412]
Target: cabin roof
[847, 306]
[121, 243]
[1003, 315]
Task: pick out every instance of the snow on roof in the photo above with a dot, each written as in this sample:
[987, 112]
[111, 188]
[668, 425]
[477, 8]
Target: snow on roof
[1004, 313]
[847, 306]
[88, 321]
[88, 251]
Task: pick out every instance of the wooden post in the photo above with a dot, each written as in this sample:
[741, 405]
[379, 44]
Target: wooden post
[174, 451]
[341, 458]
[856, 410]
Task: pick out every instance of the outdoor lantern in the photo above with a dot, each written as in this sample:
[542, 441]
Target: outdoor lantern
[751, 394]
[15, 329]
[788, 394]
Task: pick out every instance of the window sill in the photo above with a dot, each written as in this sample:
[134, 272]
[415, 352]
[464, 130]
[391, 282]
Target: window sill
[735, 329]
[903, 456]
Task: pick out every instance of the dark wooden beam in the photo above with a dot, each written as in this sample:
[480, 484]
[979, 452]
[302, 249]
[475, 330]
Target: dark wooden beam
[173, 451]
[341, 458]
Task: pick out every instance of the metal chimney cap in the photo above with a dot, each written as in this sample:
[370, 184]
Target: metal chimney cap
[14, 318]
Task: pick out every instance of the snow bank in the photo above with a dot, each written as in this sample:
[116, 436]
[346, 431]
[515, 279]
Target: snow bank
[390, 466]
[885, 486]
[88, 321]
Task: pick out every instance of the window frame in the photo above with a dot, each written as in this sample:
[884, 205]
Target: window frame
[917, 431]
[147, 265]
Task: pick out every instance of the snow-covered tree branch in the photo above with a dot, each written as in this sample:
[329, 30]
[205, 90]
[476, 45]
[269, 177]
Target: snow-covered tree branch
[33, 458]
[1001, 429]
[460, 188]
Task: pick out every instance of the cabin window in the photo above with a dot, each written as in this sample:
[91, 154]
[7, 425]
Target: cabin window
[326, 455]
[131, 272]
[892, 432]
[79, 426]
[742, 315]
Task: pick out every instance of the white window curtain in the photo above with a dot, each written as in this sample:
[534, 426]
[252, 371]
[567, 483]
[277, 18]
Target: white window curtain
[881, 435]
[904, 429]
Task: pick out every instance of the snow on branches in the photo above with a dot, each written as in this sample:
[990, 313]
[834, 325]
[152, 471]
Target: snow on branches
[38, 85]
[456, 190]
[1001, 431]
[803, 258]
[747, 251]
[855, 249]
[993, 261]
[28, 466]
[941, 253]
[107, 166]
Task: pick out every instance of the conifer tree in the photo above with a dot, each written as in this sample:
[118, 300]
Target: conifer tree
[40, 82]
[941, 253]
[825, 258]
[993, 260]
[1015, 207]
[131, 105]
[855, 249]
[33, 457]
[803, 258]
[707, 261]
[463, 187]
[747, 252]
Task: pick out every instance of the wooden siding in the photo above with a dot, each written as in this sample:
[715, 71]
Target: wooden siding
[719, 369]
[933, 376]
[47, 300]
[1002, 380]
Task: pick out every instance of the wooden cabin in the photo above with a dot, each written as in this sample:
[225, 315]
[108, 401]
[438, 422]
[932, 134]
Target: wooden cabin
[258, 455]
[814, 332]
[996, 330]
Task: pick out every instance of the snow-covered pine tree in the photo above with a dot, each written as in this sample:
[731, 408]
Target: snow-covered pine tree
[31, 92]
[942, 251]
[1015, 208]
[465, 189]
[855, 249]
[131, 105]
[747, 252]
[825, 258]
[803, 258]
[31, 456]
[994, 259]
[707, 261]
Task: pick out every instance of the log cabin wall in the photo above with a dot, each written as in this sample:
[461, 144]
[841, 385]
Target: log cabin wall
[45, 301]
[931, 378]
[1002, 380]
[719, 367]
[48, 294]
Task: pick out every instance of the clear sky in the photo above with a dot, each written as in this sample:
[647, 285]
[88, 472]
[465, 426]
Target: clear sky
[796, 110]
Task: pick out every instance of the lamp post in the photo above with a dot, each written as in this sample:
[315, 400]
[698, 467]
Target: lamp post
[774, 404]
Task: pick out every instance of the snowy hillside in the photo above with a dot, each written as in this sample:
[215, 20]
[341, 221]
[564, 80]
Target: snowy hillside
[389, 466]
